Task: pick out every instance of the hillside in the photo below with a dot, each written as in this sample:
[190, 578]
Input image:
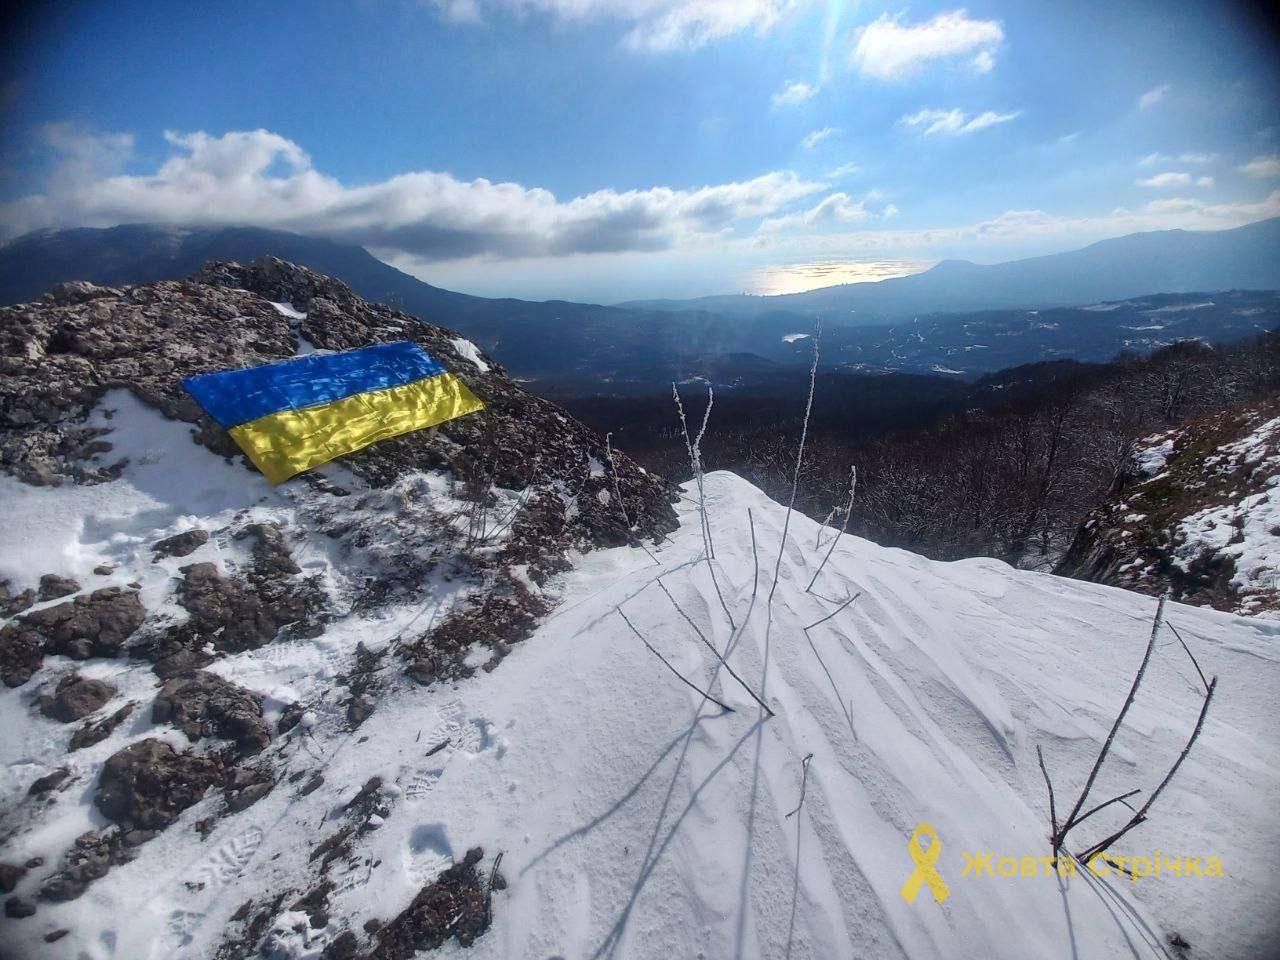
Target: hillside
[394, 705]
[1166, 261]
[1198, 514]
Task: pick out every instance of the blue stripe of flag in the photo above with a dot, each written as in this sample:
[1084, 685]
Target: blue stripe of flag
[233, 397]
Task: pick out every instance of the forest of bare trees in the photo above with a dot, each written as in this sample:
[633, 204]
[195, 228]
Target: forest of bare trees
[1006, 467]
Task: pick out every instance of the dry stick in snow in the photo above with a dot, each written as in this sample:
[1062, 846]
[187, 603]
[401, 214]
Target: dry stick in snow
[795, 479]
[1053, 811]
[1106, 803]
[1071, 820]
[853, 486]
[833, 612]
[804, 780]
[1194, 661]
[617, 492]
[1141, 815]
[689, 683]
[695, 461]
[710, 646]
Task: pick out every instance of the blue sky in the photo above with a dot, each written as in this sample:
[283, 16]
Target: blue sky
[599, 150]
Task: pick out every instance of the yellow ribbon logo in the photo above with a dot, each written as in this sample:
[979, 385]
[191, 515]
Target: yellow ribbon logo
[925, 871]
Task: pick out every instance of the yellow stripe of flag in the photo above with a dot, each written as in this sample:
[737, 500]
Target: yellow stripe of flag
[286, 443]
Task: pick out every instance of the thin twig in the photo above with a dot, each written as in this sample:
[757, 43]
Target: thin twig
[1194, 661]
[617, 492]
[710, 646]
[1106, 746]
[833, 612]
[683, 679]
[853, 485]
[1053, 810]
[795, 479]
[804, 780]
[1106, 803]
[695, 461]
[1141, 815]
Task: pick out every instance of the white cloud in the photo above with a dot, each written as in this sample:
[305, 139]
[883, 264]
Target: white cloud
[842, 171]
[1262, 167]
[656, 25]
[954, 122]
[1153, 96]
[893, 49]
[811, 140]
[1164, 180]
[1161, 159]
[262, 179]
[794, 93]
[1204, 181]
[835, 210]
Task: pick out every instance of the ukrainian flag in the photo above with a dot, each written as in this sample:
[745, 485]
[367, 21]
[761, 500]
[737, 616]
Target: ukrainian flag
[291, 416]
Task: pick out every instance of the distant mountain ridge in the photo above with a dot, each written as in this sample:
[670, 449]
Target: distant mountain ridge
[667, 339]
[1137, 265]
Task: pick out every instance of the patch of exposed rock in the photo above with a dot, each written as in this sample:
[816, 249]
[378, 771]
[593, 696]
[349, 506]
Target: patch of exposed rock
[206, 705]
[180, 544]
[455, 905]
[96, 625]
[75, 698]
[148, 784]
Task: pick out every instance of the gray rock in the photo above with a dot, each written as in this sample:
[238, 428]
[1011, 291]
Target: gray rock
[53, 586]
[49, 782]
[10, 874]
[148, 784]
[96, 625]
[180, 544]
[206, 705]
[15, 908]
[75, 698]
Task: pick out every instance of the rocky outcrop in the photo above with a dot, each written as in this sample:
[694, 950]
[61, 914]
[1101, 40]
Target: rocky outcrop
[148, 784]
[75, 698]
[180, 544]
[1197, 515]
[206, 705]
[96, 625]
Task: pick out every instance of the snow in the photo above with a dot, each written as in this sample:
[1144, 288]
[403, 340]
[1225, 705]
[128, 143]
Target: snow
[1152, 453]
[1180, 307]
[793, 337]
[637, 821]
[1247, 529]
[471, 352]
[286, 309]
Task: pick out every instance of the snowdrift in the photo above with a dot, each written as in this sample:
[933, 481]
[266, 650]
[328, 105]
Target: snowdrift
[637, 820]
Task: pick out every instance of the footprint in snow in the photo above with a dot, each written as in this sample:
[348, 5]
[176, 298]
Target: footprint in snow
[428, 855]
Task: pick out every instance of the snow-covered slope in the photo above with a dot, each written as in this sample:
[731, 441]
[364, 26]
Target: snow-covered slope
[1199, 516]
[635, 819]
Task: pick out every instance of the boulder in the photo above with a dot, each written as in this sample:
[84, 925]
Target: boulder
[75, 698]
[148, 784]
[180, 544]
[206, 705]
[53, 586]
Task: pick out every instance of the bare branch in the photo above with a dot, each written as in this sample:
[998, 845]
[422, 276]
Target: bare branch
[795, 478]
[1106, 746]
[804, 780]
[617, 493]
[710, 646]
[853, 485]
[833, 612]
[1053, 812]
[1141, 815]
[1194, 661]
[689, 683]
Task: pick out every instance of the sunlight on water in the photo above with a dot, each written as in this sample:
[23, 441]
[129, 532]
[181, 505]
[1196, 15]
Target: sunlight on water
[799, 277]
